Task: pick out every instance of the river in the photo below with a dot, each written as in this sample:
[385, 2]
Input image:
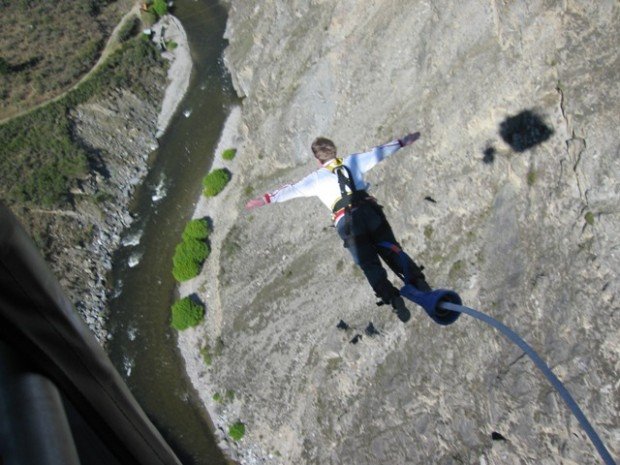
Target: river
[143, 346]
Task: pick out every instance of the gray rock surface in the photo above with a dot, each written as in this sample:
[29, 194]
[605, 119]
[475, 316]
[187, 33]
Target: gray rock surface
[529, 235]
[118, 130]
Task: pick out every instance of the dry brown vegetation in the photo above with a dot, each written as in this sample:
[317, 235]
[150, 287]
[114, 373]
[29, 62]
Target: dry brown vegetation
[47, 45]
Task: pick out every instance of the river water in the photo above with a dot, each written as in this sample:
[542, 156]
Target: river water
[143, 346]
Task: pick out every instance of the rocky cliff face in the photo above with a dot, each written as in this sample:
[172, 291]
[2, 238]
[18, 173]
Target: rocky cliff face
[510, 197]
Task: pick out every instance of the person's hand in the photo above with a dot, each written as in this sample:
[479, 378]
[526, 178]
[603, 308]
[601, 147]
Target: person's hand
[409, 139]
[255, 203]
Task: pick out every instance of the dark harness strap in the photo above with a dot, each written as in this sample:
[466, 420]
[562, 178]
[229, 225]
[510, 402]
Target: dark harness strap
[343, 182]
[351, 199]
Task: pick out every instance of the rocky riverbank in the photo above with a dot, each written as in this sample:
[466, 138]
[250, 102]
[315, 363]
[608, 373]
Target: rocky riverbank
[120, 131]
[510, 197]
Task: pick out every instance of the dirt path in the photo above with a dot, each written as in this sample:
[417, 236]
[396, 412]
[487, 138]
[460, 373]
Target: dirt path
[111, 45]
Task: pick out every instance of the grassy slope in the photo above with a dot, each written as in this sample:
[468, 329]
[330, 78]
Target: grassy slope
[46, 46]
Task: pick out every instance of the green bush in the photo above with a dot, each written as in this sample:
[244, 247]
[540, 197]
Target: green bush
[194, 249]
[237, 431]
[188, 258]
[229, 154]
[160, 7]
[186, 313]
[215, 182]
[184, 268]
[196, 229]
[170, 45]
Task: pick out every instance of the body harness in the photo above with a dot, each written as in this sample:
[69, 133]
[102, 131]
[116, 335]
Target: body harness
[348, 199]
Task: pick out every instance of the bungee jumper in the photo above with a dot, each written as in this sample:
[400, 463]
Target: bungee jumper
[361, 224]
[366, 233]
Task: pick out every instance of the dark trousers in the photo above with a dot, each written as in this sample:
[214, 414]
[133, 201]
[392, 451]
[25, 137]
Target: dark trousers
[362, 233]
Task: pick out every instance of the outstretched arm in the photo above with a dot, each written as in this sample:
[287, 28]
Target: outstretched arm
[303, 188]
[367, 160]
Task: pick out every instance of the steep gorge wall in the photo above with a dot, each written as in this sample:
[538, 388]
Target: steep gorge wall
[530, 236]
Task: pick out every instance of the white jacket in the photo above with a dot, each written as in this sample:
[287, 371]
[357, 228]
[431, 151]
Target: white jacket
[323, 183]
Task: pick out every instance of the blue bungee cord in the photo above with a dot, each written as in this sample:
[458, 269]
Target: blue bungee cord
[445, 306]
[542, 366]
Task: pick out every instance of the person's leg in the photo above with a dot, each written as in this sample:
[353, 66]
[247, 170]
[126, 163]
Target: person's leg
[365, 255]
[391, 256]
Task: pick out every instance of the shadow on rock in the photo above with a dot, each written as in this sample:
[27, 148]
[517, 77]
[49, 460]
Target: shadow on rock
[196, 299]
[524, 131]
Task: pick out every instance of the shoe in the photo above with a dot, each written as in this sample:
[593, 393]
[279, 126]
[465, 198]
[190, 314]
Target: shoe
[399, 308]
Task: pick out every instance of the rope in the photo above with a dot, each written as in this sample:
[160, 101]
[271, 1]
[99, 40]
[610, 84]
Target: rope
[557, 384]
[444, 307]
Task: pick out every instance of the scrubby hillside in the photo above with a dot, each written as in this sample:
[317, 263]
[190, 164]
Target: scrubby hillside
[47, 46]
[68, 168]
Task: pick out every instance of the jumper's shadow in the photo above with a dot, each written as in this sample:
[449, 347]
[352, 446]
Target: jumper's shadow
[524, 131]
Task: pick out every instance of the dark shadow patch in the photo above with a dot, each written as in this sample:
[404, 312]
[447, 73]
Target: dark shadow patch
[196, 299]
[428, 198]
[371, 330]
[209, 221]
[524, 131]
[342, 325]
[96, 161]
[25, 66]
[357, 338]
[488, 155]
[497, 436]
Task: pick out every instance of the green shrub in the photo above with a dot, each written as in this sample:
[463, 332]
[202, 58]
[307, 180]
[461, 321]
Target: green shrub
[194, 249]
[215, 182]
[229, 154]
[196, 229]
[160, 7]
[217, 397]
[532, 175]
[237, 431]
[184, 268]
[170, 45]
[186, 313]
[589, 217]
[188, 258]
